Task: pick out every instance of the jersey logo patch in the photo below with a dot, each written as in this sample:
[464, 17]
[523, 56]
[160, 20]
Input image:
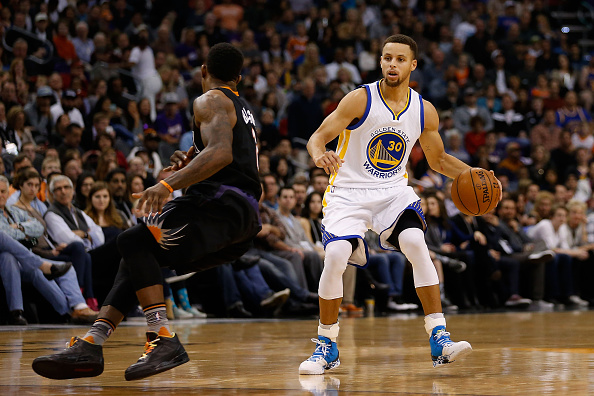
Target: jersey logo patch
[384, 153]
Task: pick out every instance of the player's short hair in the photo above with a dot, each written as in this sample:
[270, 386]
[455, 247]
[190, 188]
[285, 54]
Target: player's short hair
[402, 39]
[224, 62]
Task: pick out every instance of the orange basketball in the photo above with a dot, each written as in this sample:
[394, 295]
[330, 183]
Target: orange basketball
[475, 191]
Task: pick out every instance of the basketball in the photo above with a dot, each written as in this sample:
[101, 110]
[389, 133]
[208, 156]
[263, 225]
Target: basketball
[475, 192]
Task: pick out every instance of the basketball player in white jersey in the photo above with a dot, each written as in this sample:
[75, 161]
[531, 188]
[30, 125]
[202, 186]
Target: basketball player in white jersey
[378, 125]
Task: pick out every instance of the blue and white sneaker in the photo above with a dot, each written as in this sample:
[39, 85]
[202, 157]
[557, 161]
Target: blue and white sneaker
[443, 349]
[325, 357]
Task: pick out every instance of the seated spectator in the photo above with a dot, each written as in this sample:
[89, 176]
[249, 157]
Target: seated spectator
[547, 132]
[105, 141]
[571, 112]
[311, 217]
[18, 263]
[138, 167]
[463, 114]
[455, 147]
[563, 157]
[66, 223]
[28, 181]
[116, 179]
[72, 168]
[72, 140]
[556, 235]
[576, 222]
[508, 122]
[15, 119]
[171, 123]
[150, 147]
[64, 47]
[476, 136]
[512, 164]
[83, 187]
[295, 237]
[270, 185]
[38, 115]
[101, 209]
[66, 106]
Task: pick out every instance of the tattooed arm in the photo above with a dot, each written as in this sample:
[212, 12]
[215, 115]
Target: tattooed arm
[215, 114]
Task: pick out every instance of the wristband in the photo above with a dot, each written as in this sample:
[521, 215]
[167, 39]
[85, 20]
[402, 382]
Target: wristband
[167, 186]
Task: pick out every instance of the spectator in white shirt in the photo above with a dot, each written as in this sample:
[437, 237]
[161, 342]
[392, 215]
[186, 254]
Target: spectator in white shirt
[142, 62]
[83, 45]
[65, 222]
[67, 106]
[556, 235]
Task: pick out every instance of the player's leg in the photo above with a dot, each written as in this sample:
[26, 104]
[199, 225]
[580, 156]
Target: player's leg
[163, 350]
[330, 292]
[408, 235]
[84, 355]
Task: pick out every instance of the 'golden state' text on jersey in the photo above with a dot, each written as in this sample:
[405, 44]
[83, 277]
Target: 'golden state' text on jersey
[377, 147]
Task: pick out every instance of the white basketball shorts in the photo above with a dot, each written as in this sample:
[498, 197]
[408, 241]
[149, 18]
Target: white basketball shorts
[350, 212]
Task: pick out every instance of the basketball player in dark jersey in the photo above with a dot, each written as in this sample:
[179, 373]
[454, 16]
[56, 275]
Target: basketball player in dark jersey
[213, 223]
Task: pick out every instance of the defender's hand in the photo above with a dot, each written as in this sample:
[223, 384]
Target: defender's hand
[179, 159]
[152, 199]
[329, 161]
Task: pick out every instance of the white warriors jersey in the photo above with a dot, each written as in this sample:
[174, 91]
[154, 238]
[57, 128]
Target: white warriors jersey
[376, 149]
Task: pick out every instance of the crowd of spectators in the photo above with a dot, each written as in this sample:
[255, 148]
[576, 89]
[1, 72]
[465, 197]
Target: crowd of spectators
[96, 95]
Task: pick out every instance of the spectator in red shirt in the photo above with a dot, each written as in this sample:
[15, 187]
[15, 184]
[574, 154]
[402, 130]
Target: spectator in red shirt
[476, 137]
[64, 46]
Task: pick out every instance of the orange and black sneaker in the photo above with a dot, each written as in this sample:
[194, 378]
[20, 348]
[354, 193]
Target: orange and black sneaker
[161, 353]
[80, 359]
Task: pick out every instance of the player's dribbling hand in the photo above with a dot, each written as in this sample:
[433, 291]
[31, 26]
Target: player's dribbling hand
[500, 186]
[151, 200]
[179, 159]
[329, 161]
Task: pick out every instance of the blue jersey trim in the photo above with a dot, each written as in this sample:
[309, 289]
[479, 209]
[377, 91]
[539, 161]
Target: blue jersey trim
[328, 237]
[422, 114]
[367, 108]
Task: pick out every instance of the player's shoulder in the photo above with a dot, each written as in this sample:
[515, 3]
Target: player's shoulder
[212, 101]
[357, 98]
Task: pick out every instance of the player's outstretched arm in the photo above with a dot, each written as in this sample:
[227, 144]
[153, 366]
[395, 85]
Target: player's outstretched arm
[215, 114]
[432, 145]
[351, 107]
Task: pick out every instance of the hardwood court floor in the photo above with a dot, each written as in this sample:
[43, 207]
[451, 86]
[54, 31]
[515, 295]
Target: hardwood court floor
[531, 353]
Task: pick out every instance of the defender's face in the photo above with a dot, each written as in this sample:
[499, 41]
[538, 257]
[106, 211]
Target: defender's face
[397, 63]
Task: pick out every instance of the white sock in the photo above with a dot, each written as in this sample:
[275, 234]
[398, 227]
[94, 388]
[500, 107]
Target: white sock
[433, 320]
[329, 331]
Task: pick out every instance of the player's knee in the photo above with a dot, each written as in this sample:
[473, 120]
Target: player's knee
[337, 256]
[412, 240]
[133, 238]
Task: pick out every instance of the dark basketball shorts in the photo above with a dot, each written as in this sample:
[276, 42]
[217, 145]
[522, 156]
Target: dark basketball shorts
[197, 231]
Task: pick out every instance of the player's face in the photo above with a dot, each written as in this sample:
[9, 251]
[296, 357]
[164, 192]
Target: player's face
[397, 63]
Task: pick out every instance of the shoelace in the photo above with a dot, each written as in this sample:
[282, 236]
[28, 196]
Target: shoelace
[321, 349]
[72, 341]
[148, 347]
[442, 339]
